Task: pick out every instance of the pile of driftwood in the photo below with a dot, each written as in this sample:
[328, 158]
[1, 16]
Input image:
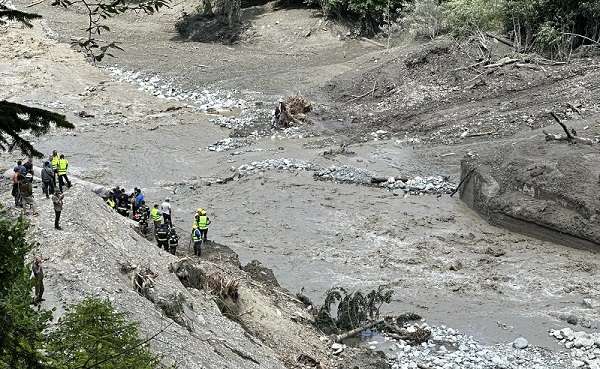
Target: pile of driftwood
[486, 66]
[225, 291]
[291, 111]
[143, 281]
[570, 134]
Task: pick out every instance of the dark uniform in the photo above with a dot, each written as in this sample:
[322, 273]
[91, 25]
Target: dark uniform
[162, 236]
[173, 241]
[143, 213]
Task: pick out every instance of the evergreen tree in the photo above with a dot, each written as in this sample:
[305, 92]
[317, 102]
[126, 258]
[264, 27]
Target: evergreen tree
[7, 14]
[21, 326]
[94, 335]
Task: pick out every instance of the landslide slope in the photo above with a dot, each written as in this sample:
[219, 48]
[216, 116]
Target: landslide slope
[97, 255]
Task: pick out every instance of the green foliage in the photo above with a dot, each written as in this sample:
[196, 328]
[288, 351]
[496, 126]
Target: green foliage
[94, 335]
[369, 14]
[551, 26]
[343, 310]
[426, 19]
[16, 119]
[467, 16]
[20, 325]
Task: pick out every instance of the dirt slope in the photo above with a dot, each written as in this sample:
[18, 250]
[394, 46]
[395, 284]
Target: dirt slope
[547, 189]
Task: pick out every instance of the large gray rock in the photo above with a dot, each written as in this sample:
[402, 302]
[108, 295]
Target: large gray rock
[544, 189]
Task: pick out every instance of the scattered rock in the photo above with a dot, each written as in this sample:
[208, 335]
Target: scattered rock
[590, 303]
[520, 343]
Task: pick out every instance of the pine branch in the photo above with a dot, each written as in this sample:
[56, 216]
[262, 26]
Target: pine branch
[16, 119]
[7, 14]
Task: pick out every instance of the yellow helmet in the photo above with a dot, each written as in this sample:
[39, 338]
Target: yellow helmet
[200, 210]
[203, 212]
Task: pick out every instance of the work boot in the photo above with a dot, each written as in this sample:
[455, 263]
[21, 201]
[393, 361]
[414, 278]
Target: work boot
[59, 228]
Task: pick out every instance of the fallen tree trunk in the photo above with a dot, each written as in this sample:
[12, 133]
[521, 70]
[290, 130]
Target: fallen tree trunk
[355, 331]
[569, 136]
[500, 39]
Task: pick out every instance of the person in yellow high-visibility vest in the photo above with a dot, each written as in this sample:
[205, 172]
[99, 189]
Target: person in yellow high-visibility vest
[156, 216]
[54, 160]
[62, 168]
[202, 223]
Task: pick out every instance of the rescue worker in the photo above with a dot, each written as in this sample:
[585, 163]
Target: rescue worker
[110, 202]
[156, 216]
[167, 211]
[162, 236]
[197, 239]
[26, 190]
[139, 198]
[57, 200]
[202, 223]
[143, 214]
[37, 273]
[54, 161]
[47, 180]
[63, 167]
[173, 241]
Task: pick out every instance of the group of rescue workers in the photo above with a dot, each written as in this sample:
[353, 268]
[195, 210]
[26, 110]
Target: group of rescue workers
[164, 231]
[54, 170]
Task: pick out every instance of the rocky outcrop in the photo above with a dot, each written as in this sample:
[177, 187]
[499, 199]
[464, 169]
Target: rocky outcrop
[99, 254]
[543, 189]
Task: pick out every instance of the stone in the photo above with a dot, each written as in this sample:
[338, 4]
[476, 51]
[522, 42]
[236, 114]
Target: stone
[585, 341]
[520, 343]
[590, 303]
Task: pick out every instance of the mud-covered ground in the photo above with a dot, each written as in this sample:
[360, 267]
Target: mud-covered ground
[442, 259]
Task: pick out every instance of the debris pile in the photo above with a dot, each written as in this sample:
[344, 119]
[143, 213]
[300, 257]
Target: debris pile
[345, 174]
[411, 186]
[420, 185]
[231, 122]
[584, 347]
[231, 143]
[292, 165]
[448, 348]
[155, 85]
[291, 111]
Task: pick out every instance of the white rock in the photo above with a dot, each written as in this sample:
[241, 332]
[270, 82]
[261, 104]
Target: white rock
[520, 343]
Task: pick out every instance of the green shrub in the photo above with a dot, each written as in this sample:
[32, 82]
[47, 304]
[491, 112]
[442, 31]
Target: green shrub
[370, 15]
[467, 16]
[21, 326]
[94, 335]
[426, 19]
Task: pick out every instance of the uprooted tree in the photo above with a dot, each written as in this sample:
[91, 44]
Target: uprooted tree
[345, 314]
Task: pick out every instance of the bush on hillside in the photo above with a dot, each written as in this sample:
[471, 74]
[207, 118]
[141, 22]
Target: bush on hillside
[369, 15]
[426, 19]
[554, 27]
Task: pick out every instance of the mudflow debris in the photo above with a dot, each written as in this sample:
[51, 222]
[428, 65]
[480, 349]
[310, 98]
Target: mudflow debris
[292, 165]
[412, 186]
[449, 349]
[584, 348]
